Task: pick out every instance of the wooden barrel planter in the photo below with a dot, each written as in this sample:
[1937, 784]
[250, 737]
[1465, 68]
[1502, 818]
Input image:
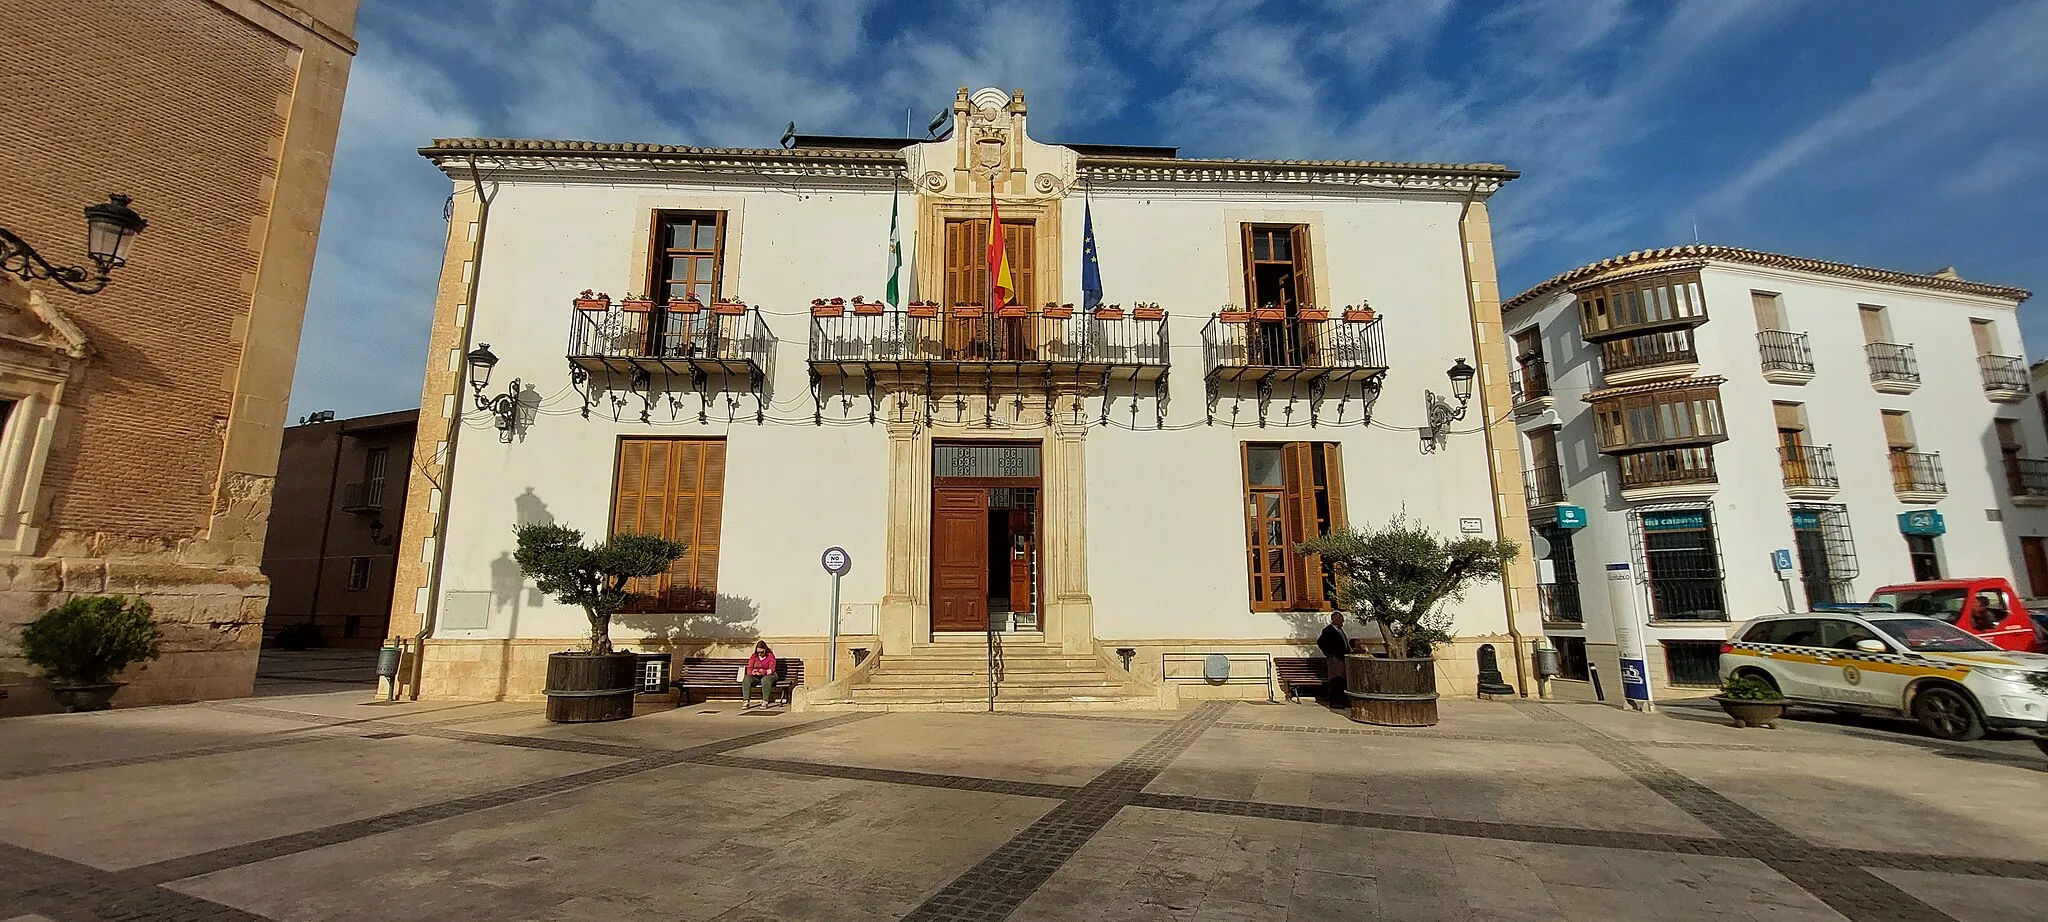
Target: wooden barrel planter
[1391, 692]
[583, 688]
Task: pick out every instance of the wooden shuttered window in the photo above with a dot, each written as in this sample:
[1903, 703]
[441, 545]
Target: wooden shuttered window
[674, 488]
[967, 261]
[1293, 491]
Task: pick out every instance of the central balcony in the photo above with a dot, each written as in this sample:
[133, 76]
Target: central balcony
[1787, 357]
[1809, 471]
[961, 350]
[2005, 377]
[1917, 477]
[1893, 369]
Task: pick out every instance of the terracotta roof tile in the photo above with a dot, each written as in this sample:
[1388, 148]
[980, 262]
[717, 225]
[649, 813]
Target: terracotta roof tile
[1641, 258]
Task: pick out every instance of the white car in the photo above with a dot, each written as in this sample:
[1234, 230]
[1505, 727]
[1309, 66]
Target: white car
[1953, 683]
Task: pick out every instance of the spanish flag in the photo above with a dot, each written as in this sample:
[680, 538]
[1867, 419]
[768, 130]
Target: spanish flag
[998, 257]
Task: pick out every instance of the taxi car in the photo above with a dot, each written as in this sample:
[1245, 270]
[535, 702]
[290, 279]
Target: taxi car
[1954, 683]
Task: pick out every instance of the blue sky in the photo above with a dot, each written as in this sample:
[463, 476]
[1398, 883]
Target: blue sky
[1898, 134]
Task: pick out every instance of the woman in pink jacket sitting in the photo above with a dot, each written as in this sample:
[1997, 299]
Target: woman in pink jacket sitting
[759, 673]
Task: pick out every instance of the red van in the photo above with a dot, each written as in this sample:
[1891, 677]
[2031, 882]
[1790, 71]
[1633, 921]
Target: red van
[1987, 607]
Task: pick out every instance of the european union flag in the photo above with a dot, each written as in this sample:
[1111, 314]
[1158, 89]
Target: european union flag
[1091, 268]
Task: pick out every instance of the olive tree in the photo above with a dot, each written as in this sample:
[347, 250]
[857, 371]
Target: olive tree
[594, 577]
[1398, 575]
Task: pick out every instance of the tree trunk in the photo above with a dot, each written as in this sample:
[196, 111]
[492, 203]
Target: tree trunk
[600, 634]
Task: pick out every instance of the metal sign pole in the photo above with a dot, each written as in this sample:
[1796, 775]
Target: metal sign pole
[832, 648]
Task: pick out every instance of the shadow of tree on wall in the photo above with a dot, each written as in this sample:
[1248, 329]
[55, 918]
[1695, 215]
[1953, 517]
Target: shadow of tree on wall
[731, 620]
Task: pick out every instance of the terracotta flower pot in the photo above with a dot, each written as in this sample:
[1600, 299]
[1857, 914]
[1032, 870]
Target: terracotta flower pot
[1235, 316]
[823, 308]
[1149, 312]
[593, 304]
[1312, 314]
[729, 308]
[684, 306]
[1752, 713]
[1013, 311]
[636, 305]
[1057, 311]
[1109, 312]
[923, 309]
[966, 310]
[1270, 313]
[1361, 316]
[868, 308]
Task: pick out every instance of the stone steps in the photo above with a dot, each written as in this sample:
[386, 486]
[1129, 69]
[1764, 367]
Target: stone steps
[952, 675]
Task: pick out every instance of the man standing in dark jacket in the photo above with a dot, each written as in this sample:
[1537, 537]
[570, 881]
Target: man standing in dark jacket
[1334, 645]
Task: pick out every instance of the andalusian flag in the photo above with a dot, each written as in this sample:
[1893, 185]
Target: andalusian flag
[894, 296]
[998, 258]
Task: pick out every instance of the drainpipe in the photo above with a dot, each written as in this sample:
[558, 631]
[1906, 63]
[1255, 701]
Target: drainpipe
[326, 529]
[447, 484]
[1507, 592]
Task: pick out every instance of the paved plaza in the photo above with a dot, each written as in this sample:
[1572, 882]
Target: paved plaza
[325, 806]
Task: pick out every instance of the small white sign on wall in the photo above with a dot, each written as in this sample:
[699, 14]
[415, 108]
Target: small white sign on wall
[1471, 526]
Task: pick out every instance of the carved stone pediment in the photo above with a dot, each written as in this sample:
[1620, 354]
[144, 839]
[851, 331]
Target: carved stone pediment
[29, 321]
[990, 149]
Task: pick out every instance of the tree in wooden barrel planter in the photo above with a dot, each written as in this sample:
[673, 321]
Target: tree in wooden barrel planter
[1398, 576]
[595, 683]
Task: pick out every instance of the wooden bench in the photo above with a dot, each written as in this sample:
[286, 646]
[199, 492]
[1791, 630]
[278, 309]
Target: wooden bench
[714, 677]
[1295, 671]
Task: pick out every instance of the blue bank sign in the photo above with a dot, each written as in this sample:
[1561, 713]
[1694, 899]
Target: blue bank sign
[1922, 522]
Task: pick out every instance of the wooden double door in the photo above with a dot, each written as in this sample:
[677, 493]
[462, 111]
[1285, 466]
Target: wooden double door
[985, 537]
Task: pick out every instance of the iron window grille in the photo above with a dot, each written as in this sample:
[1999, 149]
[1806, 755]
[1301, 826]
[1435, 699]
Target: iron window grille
[1561, 600]
[1695, 663]
[1679, 561]
[1826, 551]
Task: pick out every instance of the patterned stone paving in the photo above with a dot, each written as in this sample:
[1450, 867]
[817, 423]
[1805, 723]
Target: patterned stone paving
[1007, 876]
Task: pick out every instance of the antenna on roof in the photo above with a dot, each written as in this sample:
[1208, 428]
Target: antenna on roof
[939, 121]
[789, 136]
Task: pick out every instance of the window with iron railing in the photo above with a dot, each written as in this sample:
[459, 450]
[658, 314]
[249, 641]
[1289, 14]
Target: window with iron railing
[1532, 378]
[2027, 476]
[1892, 362]
[2003, 372]
[1545, 484]
[1681, 561]
[1917, 472]
[1808, 466]
[1785, 351]
[1648, 351]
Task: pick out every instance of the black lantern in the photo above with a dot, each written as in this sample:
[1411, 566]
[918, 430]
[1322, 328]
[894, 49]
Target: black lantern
[110, 231]
[481, 361]
[1461, 376]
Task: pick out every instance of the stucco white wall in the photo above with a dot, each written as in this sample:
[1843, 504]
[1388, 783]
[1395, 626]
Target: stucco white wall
[1166, 528]
[1950, 415]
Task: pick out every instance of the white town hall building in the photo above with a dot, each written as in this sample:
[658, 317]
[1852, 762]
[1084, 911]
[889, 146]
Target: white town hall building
[1085, 482]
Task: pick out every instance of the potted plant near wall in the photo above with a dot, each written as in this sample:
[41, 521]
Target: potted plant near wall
[1399, 576]
[83, 644]
[1109, 312]
[687, 304]
[1360, 313]
[590, 300]
[1312, 314]
[1148, 310]
[828, 307]
[1057, 311]
[1752, 702]
[594, 683]
[729, 308]
[636, 304]
[865, 308]
[923, 309]
[1231, 313]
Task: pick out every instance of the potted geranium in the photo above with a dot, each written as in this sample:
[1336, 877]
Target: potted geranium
[1056, 311]
[1398, 576]
[964, 310]
[865, 308]
[1109, 312]
[83, 644]
[1144, 310]
[1312, 314]
[923, 309]
[1751, 701]
[687, 304]
[730, 308]
[1361, 313]
[1231, 313]
[636, 304]
[594, 683]
[590, 300]
[828, 307]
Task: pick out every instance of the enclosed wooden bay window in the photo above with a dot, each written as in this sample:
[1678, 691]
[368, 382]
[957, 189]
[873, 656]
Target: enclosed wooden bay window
[1634, 419]
[1644, 304]
[1293, 491]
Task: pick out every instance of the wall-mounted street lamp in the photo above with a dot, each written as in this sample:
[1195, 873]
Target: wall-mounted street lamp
[1441, 413]
[504, 406]
[110, 231]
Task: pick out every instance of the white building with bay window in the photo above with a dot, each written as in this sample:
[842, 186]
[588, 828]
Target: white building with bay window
[1083, 482]
[1702, 407]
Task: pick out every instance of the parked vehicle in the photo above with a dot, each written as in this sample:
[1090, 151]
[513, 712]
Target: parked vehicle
[1987, 607]
[1953, 682]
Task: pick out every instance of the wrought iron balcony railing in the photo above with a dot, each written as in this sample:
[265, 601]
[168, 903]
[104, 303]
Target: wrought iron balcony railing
[2027, 477]
[1667, 467]
[1784, 351]
[1532, 379]
[1810, 466]
[1892, 362]
[1286, 350]
[1648, 351]
[1917, 472]
[1545, 484]
[1025, 345]
[2003, 373]
[363, 496]
[661, 342]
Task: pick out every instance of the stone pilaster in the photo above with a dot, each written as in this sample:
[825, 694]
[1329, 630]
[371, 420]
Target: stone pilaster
[909, 573]
[1071, 614]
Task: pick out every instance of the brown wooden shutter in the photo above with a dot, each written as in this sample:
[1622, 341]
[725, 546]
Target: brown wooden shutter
[1305, 576]
[1304, 272]
[642, 489]
[1018, 242]
[692, 584]
[1788, 416]
[1251, 286]
[1333, 462]
[1768, 317]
